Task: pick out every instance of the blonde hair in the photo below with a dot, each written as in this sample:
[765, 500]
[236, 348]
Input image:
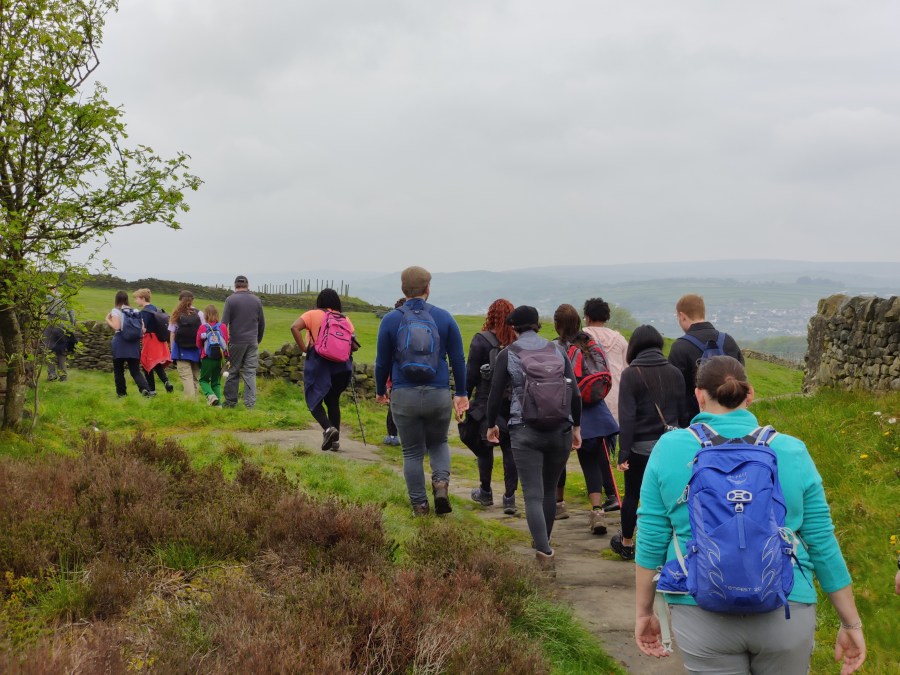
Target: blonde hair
[143, 293]
[211, 314]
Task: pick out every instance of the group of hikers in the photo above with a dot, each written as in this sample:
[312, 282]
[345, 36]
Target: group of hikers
[725, 519]
[200, 342]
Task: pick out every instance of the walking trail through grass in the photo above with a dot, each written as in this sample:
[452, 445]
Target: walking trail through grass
[600, 590]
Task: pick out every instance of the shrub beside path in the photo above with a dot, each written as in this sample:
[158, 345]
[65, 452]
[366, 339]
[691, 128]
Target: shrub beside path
[600, 591]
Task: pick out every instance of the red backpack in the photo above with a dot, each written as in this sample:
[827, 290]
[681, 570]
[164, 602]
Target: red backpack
[335, 339]
[591, 370]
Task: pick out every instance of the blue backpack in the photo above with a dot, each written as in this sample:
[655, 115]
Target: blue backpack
[418, 346]
[132, 328]
[711, 348]
[740, 556]
[215, 347]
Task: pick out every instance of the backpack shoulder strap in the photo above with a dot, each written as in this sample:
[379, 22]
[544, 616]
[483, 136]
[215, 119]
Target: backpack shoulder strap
[491, 337]
[720, 340]
[704, 434]
[762, 435]
[694, 341]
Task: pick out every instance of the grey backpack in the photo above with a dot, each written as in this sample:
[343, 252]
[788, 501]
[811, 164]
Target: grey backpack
[547, 394]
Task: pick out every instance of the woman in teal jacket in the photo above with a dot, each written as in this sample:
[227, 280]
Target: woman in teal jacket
[733, 643]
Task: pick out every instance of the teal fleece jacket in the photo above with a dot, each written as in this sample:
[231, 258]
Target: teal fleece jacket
[669, 470]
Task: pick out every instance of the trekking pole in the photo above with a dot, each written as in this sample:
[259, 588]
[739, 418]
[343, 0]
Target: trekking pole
[611, 472]
[356, 403]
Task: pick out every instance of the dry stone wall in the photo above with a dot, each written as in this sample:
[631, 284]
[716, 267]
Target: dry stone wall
[854, 343]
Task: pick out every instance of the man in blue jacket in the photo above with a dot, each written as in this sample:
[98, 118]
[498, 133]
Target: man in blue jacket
[414, 342]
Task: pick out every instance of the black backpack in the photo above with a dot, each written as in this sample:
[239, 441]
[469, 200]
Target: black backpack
[161, 325]
[186, 333]
[547, 394]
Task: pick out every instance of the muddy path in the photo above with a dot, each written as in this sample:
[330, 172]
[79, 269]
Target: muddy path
[600, 591]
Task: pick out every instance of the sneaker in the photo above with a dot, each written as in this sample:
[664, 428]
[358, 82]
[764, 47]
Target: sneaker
[441, 497]
[611, 504]
[229, 404]
[561, 511]
[336, 446]
[329, 436]
[420, 510]
[482, 497]
[212, 399]
[390, 440]
[170, 387]
[625, 552]
[546, 563]
[147, 393]
[597, 522]
[509, 505]
[395, 440]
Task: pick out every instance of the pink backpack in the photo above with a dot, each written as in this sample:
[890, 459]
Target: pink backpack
[334, 341]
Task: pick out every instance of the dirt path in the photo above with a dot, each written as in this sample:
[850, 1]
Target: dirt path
[601, 592]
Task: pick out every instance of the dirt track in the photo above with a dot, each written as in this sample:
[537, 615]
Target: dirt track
[601, 592]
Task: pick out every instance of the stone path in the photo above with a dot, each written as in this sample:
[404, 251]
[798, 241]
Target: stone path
[600, 591]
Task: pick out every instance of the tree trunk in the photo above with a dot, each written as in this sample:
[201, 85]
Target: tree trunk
[14, 346]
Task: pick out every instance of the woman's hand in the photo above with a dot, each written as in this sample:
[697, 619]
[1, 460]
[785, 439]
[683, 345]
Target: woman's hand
[493, 434]
[851, 647]
[383, 399]
[576, 438]
[623, 466]
[648, 636]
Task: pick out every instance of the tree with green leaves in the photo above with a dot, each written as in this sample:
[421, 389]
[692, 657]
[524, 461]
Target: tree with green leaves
[68, 176]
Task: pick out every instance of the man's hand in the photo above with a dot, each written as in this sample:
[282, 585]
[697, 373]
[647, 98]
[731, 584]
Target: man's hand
[460, 404]
[493, 434]
[383, 399]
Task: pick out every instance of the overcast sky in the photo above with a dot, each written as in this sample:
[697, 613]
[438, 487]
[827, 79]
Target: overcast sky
[485, 134]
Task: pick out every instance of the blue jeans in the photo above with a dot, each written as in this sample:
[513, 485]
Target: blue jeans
[422, 416]
[244, 361]
[540, 458]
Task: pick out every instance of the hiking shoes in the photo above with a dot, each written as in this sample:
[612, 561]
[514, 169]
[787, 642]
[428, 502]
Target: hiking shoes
[481, 497]
[420, 510]
[441, 497]
[336, 446]
[625, 552]
[169, 387]
[147, 393]
[212, 399]
[391, 440]
[509, 505]
[597, 521]
[611, 504]
[561, 511]
[546, 563]
[329, 436]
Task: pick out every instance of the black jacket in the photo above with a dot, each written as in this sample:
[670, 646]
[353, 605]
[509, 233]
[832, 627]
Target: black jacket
[683, 355]
[649, 380]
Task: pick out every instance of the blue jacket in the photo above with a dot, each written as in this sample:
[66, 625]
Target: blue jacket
[669, 470]
[451, 345]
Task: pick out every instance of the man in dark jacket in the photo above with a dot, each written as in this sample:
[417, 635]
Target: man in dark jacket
[243, 314]
[684, 354]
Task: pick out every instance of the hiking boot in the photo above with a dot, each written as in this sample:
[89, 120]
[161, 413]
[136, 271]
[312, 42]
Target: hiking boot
[421, 509]
[329, 436]
[63, 377]
[482, 497]
[212, 399]
[441, 498]
[147, 393]
[611, 504]
[509, 505]
[561, 511]
[597, 522]
[336, 446]
[170, 388]
[546, 563]
[625, 552]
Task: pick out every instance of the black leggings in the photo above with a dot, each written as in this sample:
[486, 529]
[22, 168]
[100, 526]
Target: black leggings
[595, 465]
[486, 467]
[160, 371]
[134, 367]
[633, 479]
[332, 401]
[391, 426]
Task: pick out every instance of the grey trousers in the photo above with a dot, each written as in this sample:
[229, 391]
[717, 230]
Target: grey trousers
[244, 361]
[738, 644]
[422, 416]
[541, 458]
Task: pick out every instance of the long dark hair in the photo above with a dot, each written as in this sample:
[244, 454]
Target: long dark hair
[643, 337]
[567, 322]
[185, 302]
[121, 298]
[328, 298]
